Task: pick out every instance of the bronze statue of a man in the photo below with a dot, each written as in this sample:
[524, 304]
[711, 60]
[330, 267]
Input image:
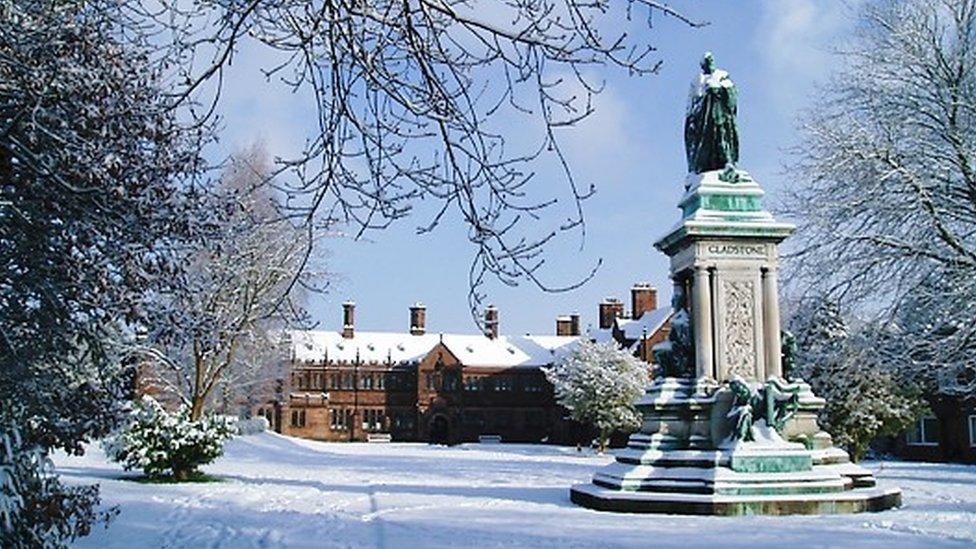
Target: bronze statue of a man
[711, 133]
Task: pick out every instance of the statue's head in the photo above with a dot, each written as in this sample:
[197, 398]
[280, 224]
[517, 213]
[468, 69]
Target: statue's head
[740, 389]
[708, 63]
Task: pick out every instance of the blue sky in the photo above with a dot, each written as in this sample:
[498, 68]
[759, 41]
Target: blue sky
[776, 52]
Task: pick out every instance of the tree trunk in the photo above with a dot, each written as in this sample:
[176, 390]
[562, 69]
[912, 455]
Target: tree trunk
[182, 474]
[196, 407]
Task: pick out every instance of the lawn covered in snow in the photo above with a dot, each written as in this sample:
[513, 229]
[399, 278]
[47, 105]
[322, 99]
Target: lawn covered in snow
[284, 492]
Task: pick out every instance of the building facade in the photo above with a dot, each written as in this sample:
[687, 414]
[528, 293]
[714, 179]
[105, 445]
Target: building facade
[947, 433]
[415, 386]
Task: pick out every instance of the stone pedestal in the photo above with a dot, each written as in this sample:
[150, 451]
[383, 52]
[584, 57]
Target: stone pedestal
[686, 458]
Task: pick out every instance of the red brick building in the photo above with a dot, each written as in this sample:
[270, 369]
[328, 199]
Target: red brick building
[416, 386]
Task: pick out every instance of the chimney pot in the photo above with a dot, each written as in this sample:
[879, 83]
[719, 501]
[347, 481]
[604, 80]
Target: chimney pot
[643, 298]
[563, 326]
[418, 319]
[348, 319]
[491, 322]
[610, 309]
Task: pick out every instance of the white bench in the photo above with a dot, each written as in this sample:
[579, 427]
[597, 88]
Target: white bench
[378, 437]
[489, 439]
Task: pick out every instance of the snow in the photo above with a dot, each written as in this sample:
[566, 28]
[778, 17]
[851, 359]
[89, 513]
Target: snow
[400, 348]
[648, 323]
[285, 492]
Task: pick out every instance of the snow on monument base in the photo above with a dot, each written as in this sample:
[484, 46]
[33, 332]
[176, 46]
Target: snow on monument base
[674, 466]
[855, 501]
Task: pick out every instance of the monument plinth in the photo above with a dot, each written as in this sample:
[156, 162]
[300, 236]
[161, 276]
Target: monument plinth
[725, 431]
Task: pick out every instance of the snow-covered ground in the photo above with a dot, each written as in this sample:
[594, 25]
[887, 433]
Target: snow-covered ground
[284, 492]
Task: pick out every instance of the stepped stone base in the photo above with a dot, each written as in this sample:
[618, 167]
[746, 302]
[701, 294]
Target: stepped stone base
[679, 464]
[853, 501]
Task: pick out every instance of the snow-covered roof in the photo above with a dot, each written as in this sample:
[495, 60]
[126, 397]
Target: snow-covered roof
[633, 329]
[369, 347]
[649, 322]
[509, 351]
[399, 348]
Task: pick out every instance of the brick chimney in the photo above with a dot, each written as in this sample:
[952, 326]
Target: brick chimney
[348, 319]
[643, 298]
[610, 309]
[564, 326]
[491, 322]
[568, 325]
[418, 319]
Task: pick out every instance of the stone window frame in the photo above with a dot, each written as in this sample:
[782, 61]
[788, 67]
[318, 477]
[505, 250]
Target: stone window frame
[298, 418]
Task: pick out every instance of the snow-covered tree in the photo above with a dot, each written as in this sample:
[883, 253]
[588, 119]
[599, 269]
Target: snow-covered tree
[92, 168]
[886, 184]
[599, 383]
[161, 442]
[212, 340]
[866, 398]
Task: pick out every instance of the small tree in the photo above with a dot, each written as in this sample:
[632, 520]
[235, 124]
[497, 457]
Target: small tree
[158, 441]
[598, 383]
[865, 396]
[213, 338]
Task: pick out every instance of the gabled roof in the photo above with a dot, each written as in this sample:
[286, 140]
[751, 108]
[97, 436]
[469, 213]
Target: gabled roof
[633, 329]
[648, 323]
[400, 348]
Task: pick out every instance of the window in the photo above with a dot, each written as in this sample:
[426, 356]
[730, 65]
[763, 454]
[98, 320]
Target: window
[298, 418]
[347, 381]
[503, 384]
[333, 381]
[451, 381]
[473, 384]
[972, 431]
[340, 419]
[925, 432]
[367, 382]
[533, 385]
[373, 419]
[433, 381]
[403, 421]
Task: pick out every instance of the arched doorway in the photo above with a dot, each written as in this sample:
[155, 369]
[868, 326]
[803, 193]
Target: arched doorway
[439, 430]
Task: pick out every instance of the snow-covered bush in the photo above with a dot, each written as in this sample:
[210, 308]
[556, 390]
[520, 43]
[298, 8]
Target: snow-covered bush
[160, 442]
[598, 383]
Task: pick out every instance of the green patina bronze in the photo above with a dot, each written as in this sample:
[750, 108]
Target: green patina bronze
[775, 403]
[741, 462]
[676, 356]
[711, 133]
[788, 350]
[723, 202]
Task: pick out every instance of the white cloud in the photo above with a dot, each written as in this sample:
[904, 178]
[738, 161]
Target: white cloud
[795, 41]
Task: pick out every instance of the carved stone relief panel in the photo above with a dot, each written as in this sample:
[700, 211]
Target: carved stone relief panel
[739, 323]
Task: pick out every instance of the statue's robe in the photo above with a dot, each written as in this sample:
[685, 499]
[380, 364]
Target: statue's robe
[711, 136]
